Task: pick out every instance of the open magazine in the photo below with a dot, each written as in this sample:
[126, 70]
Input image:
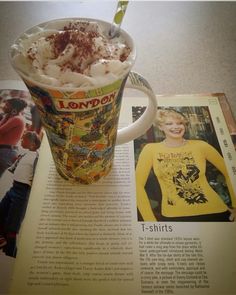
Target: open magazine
[96, 240]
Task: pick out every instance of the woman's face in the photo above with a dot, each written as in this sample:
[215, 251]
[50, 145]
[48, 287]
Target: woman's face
[173, 127]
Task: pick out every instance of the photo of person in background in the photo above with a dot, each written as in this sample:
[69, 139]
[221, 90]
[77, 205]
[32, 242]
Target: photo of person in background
[179, 165]
[13, 204]
[12, 125]
[21, 133]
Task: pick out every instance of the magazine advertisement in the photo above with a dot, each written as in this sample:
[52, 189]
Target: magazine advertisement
[162, 222]
[20, 139]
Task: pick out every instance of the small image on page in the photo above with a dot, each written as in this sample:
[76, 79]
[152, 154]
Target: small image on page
[181, 173]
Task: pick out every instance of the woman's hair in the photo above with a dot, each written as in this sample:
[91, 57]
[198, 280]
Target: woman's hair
[162, 114]
[17, 103]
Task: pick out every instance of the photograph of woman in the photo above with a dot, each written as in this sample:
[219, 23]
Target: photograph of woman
[179, 165]
[12, 125]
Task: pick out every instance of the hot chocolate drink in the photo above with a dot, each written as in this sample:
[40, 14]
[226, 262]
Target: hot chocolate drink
[76, 75]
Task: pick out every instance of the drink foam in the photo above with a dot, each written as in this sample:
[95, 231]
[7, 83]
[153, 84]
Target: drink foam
[71, 53]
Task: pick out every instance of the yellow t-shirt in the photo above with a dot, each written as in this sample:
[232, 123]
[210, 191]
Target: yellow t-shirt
[181, 175]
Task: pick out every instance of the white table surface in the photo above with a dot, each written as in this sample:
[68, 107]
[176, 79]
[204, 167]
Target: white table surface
[183, 47]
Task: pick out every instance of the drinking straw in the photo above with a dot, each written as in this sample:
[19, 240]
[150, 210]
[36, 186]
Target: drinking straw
[118, 18]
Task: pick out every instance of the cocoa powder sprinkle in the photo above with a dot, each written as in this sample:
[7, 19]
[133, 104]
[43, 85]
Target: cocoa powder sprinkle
[84, 48]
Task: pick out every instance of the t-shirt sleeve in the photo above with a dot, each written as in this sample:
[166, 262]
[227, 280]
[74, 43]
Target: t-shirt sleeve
[143, 168]
[214, 157]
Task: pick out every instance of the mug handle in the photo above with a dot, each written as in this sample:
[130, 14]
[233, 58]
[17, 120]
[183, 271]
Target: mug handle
[139, 127]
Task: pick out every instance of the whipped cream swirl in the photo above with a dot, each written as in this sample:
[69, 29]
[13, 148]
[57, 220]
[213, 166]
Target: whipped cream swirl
[78, 55]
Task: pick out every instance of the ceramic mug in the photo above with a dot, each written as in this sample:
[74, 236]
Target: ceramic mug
[82, 123]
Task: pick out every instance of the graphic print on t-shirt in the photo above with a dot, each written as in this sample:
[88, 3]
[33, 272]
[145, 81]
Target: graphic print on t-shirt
[182, 174]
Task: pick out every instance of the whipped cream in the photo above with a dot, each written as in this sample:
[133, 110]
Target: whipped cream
[72, 53]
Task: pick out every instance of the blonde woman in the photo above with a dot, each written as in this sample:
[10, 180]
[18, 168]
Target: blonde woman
[180, 165]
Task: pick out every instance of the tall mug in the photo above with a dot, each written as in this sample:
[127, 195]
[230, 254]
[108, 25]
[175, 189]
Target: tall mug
[80, 121]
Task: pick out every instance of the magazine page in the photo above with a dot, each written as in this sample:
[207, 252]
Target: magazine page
[185, 190]
[110, 238]
[20, 127]
[79, 237]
